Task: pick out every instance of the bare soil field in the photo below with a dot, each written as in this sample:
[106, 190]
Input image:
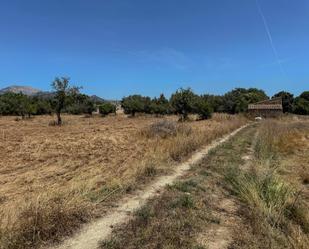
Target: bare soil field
[35, 156]
[55, 178]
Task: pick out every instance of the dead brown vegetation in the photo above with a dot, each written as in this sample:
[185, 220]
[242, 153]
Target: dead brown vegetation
[254, 183]
[273, 190]
[55, 178]
[48, 218]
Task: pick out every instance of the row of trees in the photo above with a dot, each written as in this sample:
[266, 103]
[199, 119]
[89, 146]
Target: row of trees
[63, 99]
[183, 102]
[301, 104]
[22, 105]
[298, 105]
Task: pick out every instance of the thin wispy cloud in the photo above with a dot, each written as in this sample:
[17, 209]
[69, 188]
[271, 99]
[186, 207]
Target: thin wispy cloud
[270, 38]
[165, 57]
[219, 64]
[275, 63]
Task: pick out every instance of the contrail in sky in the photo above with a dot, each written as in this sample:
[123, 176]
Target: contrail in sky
[270, 38]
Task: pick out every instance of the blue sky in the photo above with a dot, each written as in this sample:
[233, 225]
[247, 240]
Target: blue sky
[118, 47]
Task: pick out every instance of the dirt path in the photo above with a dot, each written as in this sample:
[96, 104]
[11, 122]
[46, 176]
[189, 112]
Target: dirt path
[250, 153]
[225, 209]
[219, 236]
[90, 235]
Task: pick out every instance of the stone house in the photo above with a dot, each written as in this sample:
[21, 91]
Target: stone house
[266, 108]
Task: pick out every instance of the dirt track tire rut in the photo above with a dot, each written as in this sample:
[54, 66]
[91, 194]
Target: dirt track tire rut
[91, 234]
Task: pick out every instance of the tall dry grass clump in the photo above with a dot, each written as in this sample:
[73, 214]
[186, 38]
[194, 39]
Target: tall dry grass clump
[42, 220]
[267, 195]
[181, 139]
[276, 208]
[276, 136]
[275, 211]
[189, 139]
[161, 129]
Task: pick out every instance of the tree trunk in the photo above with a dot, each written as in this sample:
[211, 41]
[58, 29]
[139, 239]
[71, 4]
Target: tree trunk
[184, 117]
[59, 121]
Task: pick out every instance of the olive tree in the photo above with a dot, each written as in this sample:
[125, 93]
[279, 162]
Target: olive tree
[202, 108]
[62, 93]
[182, 101]
[107, 108]
[159, 106]
[133, 104]
[301, 104]
[287, 100]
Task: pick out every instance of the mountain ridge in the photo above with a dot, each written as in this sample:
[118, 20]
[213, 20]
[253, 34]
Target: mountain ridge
[31, 91]
[27, 90]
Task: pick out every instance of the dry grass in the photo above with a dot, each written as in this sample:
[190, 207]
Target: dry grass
[275, 196]
[47, 218]
[186, 209]
[161, 129]
[285, 137]
[271, 205]
[60, 175]
[170, 221]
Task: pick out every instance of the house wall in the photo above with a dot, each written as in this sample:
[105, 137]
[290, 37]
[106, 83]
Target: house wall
[265, 113]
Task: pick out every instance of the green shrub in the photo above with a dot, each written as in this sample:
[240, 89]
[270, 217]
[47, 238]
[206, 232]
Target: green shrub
[237, 100]
[287, 100]
[107, 108]
[301, 106]
[305, 95]
[160, 106]
[182, 102]
[17, 104]
[135, 103]
[202, 108]
[80, 104]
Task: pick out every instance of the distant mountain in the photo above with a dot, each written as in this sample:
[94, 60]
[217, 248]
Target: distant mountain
[27, 90]
[30, 91]
[96, 99]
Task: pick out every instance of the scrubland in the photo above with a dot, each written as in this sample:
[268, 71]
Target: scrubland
[53, 179]
[274, 189]
[251, 192]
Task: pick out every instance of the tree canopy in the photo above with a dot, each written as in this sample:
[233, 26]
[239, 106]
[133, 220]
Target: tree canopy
[107, 108]
[134, 103]
[182, 102]
[237, 100]
[287, 100]
[301, 104]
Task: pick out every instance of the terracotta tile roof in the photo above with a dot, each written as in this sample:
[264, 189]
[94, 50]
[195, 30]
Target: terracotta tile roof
[273, 101]
[265, 107]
